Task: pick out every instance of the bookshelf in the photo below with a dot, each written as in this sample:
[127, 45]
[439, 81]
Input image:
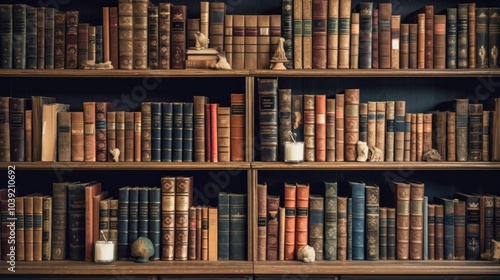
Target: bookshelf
[89, 85]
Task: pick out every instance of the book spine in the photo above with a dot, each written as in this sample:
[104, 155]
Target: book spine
[351, 123]
[238, 60]
[309, 127]
[495, 138]
[272, 227]
[59, 228]
[125, 34]
[404, 57]
[114, 37]
[297, 119]
[344, 33]
[250, 42]
[475, 132]
[371, 124]
[77, 136]
[407, 136]
[384, 37]
[6, 36]
[31, 38]
[153, 39]
[429, 36]
[104, 218]
[168, 218]
[123, 221]
[339, 126]
[83, 44]
[413, 44]
[427, 142]
[403, 220]
[17, 127]
[76, 222]
[193, 27]
[263, 41]
[317, 224]
[307, 34]
[349, 229]
[439, 234]
[187, 132]
[212, 233]
[237, 132]
[416, 233]
[431, 224]
[439, 133]
[238, 227]
[486, 135]
[89, 119]
[268, 91]
[156, 126]
[199, 127]
[420, 136]
[223, 134]
[59, 40]
[363, 122]
[216, 25]
[333, 34]
[472, 34]
[164, 33]
[302, 216]
[41, 22]
[166, 131]
[421, 40]
[425, 232]
[72, 39]
[19, 22]
[106, 39]
[63, 136]
[20, 245]
[146, 131]
[120, 134]
[29, 228]
[462, 36]
[472, 225]
[330, 221]
[205, 17]
[101, 130]
[204, 234]
[489, 222]
[137, 136]
[319, 33]
[143, 216]
[214, 149]
[451, 38]
[372, 222]
[93, 43]
[494, 34]
[178, 37]
[330, 130]
[113, 220]
[439, 41]
[358, 220]
[228, 37]
[290, 220]
[287, 31]
[223, 226]
[208, 133]
[49, 38]
[183, 200]
[297, 34]
[133, 218]
[395, 41]
[399, 130]
[382, 233]
[459, 208]
[482, 37]
[391, 233]
[342, 228]
[154, 224]
[451, 150]
[354, 42]
[389, 130]
[449, 229]
[365, 35]
[380, 130]
[173, 124]
[261, 221]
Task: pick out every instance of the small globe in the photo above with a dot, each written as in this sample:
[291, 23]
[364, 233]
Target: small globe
[142, 249]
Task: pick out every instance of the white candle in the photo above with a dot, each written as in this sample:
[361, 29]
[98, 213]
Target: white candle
[104, 251]
[294, 152]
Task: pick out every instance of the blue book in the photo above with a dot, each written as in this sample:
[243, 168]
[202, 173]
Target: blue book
[238, 226]
[365, 35]
[19, 36]
[99, 51]
[449, 227]
[166, 131]
[143, 222]
[358, 220]
[316, 224]
[349, 228]
[331, 199]
[287, 31]
[187, 132]
[156, 124]
[31, 38]
[123, 207]
[178, 125]
[133, 217]
[154, 222]
[223, 226]
[6, 40]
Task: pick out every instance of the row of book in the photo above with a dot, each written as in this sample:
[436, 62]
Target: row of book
[162, 131]
[359, 228]
[332, 127]
[334, 34]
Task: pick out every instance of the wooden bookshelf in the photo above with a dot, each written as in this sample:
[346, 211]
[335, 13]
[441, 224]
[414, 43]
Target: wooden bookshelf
[377, 73]
[76, 73]
[128, 165]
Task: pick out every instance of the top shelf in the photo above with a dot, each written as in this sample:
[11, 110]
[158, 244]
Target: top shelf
[195, 73]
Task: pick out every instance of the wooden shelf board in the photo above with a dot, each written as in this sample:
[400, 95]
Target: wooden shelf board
[376, 73]
[379, 267]
[132, 268]
[75, 73]
[377, 166]
[128, 165]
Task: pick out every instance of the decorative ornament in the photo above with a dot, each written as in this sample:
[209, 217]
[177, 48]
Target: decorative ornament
[306, 254]
[201, 41]
[362, 149]
[222, 63]
[116, 154]
[91, 65]
[432, 155]
[142, 249]
[375, 154]
[279, 56]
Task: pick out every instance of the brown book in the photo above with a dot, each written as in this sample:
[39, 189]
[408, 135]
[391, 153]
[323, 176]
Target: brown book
[212, 233]
[472, 34]
[178, 37]
[5, 129]
[101, 110]
[92, 43]
[72, 39]
[486, 135]
[262, 221]
[238, 62]
[384, 35]
[307, 16]
[95, 235]
[399, 131]
[83, 44]
[420, 136]
[389, 130]
[407, 145]
[427, 133]
[316, 224]
[113, 219]
[395, 40]
[431, 232]
[439, 131]
[320, 127]
[475, 132]
[333, 34]
[250, 42]
[111, 133]
[89, 114]
[302, 216]
[309, 127]
[129, 136]
[319, 33]
[462, 129]
[372, 124]
[228, 38]
[439, 41]
[223, 134]
[90, 192]
[104, 219]
[41, 27]
[28, 228]
[193, 27]
[145, 131]
[77, 136]
[63, 136]
[137, 136]
[263, 41]
[120, 134]
[183, 200]
[237, 127]
[339, 126]
[413, 141]
[404, 58]
[459, 229]
[290, 220]
[344, 34]
[125, 34]
[199, 214]
[216, 25]
[168, 218]
[421, 41]
[351, 123]
[164, 18]
[402, 220]
[199, 127]
[330, 129]
[204, 234]
[105, 34]
[205, 18]
[429, 36]
[342, 228]
[439, 226]
[20, 246]
[380, 126]
[273, 203]
[37, 228]
[59, 40]
[281, 234]
[413, 46]
[450, 137]
[208, 133]
[214, 152]
[354, 42]
[114, 55]
[375, 36]
[59, 219]
[416, 220]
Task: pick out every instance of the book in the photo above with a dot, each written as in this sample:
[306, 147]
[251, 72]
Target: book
[358, 219]
[375, 36]
[76, 220]
[123, 223]
[413, 140]
[330, 130]
[462, 36]
[261, 221]
[29, 228]
[427, 133]
[420, 136]
[413, 45]
[407, 137]
[459, 208]
[290, 220]
[344, 33]
[91, 191]
[332, 33]
[416, 232]
[19, 30]
[29, 135]
[101, 134]
[482, 37]
[92, 50]
[448, 215]
[183, 200]
[137, 136]
[41, 15]
[83, 44]
[133, 217]
[281, 234]
[319, 33]
[199, 127]
[32, 38]
[237, 127]
[214, 149]
[342, 228]
[238, 59]
[493, 38]
[429, 36]
[439, 131]
[351, 118]
[475, 132]
[156, 131]
[320, 127]
[391, 233]
[399, 131]
[339, 126]
[439, 234]
[389, 130]
[77, 137]
[223, 134]
[168, 217]
[178, 37]
[372, 222]
[451, 38]
[495, 138]
[154, 222]
[431, 234]
[439, 51]
[6, 36]
[297, 34]
[365, 34]
[395, 41]
[223, 226]
[316, 224]
[146, 125]
[298, 117]
[263, 41]
[268, 91]
[212, 233]
[187, 132]
[472, 34]
[89, 114]
[37, 227]
[204, 234]
[153, 38]
[384, 35]
[404, 58]
[471, 225]
[451, 145]
[19, 214]
[251, 43]
[330, 223]
[309, 127]
[4, 129]
[228, 37]
[380, 129]
[215, 33]
[273, 202]
[238, 226]
[165, 26]
[143, 212]
[486, 135]
[302, 216]
[17, 122]
[307, 11]
[120, 133]
[421, 40]
[50, 131]
[403, 196]
[383, 233]
[166, 138]
[287, 24]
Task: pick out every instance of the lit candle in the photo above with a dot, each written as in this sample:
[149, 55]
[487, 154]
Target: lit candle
[105, 251]
[294, 152]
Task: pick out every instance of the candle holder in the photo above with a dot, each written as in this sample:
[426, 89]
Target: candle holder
[105, 250]
[294, 150]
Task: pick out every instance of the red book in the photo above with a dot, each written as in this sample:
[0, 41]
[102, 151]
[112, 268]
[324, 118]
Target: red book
[301, 226]
[214, 151]
[90, 192]
[208, 137]
[320, 127]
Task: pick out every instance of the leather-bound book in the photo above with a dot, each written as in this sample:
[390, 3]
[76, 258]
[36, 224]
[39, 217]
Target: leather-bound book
[421, 40]
[290, 216]
[332, 34]
[19, 36]
[494, 36]
[344, 33]
[113, 219]
[416, 233]
[212, 233]
[49, 135]
[342, 229]
[95, 219]
[407, 137]
[354, 42]
[309, 127]
[302, 216]
[120, 133]
[204, 234]
[273, 202]
[31, 38]
[199, 214]
[77, 136]
[208, 133]
[316, 224]
[495, 138]
[372, 222]
[471, 224]
[451, 145]
[6, 36]
[448, 228]
[89, 114]
[113, 37]
[178, 37]
[214, 152]
[319, 33]
[102, 150]
[431, 233]
[391, 233]
[153, 31]
[228, 37]
[129, 136]
[372, 124]
[268, 99]
[165, 26]
[199, 127]
[375, 36]
[29, 136]
[216, 25]
[331, 205]
[168, 218]
[427, 143]
[439, 234]
[167, 117]
[263, 41]
[5, 129]
[384, 35]
[486, 135]
[330, 130]
[37, 227]
[425, 232]
[351, 123]
[429, 36]
[261, 221]
[475, 132]
[399, 130]
[83, 44]
[382, 233]
[402, 220]
[363, 122]
[281, 234]
[395, 40]
[297, 34]
[439, 42]
[223, 226]
[274, 33]
[104, 218]
[223, 134]
[472, 34]
[439, 133]
[19, 210]
[420, 136]
[250, 42]
[205, 17]
[137, 136]
[237, 127]
[462, 129]
[41, 22]
[92, 43]
[389, 130]
[133, 216]
[380, 126]
[496, 207]
[459, 208]
[413, 44]
[287, 29]
[297, 116]
[28, 228]
[192, 233]
[404, 58]
[365, 34]
[339, 126]
[320, 127]
[307, 45]
[451, 38]
[413, 141]
[49, 38]
[183, 200]
[285, 119]
[238, 42]
[146, 131]
[187, 132]
[125, 34]
[487, 219]
[123, 221]
[105, 33]
[462, 36]
[77, 220]
[17, 126]
[238, 226]
[358, 220]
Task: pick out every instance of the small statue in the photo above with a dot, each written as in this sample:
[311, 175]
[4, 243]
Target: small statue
[116, 154]
[222, 62]
[91, 65]
[362, 149]
[142, 249]
[201, 41]
[375, 154]
[306, 254]
[495, 250]
[279, 56]
[432, 155]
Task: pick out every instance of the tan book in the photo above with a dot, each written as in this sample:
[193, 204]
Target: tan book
[354, 47]
[49, 131]
[402, 220]
[413, 141]
[262, 221]
[395, 40]
[309, 127]
[238, 42]
[129, 136]
[421, 41]
[199, 127]
[420, 136]
[339, 126]
[407, 135]
[320, 127]
[216, 25]
[330, 130]
[451, 150]
[37, 228]
[77, 136]
[228, 38]
[137, 136]
[380, 126]
[28, 128]
[472, 34]
[399, 131]
[344, 33]
[120, 133]
[427, 143]
[297, 34]
[281, 234]
[212, 233]
[307, 45]
[89, 113]
[237, 127]
[384, 35]
[223, 133]
[64, 136]
[440, 42]
[205, 18]
[389, 130]
[204, 234]
[319, 33]
[263, 41]
[20, 222]
[28, 228]
[351, 118]
[372, 124]
[168, 218]
[111, 132]
[342, 228]
[333, 34]
[250, 42]
[416, 220]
